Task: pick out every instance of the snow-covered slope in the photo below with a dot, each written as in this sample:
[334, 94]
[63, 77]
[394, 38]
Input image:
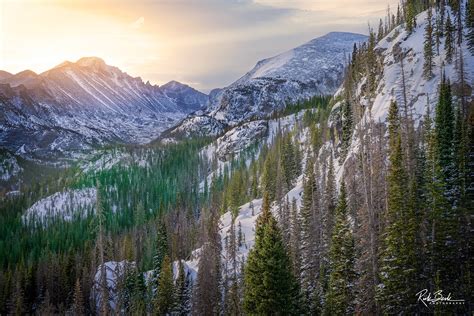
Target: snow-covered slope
[315, 68]
[62, 206]
[320, 61]
[78, 105]
[420, 91]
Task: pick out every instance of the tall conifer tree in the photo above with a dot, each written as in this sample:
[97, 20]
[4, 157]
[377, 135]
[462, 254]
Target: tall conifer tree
[449, 40]
[398, 261]
[470, 25]
[164, 300]
[428, 47]
[270, 287]
[340, 295]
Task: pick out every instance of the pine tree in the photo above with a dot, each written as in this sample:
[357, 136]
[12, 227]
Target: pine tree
[380, 33]
[254, 183]
[310, 230]
[289, 161]
[207, 299]
[445, 214]
[330, 203]
[161, 250]
[470, 25]
[394, 125]
[436, 204]
[183, 292]
[439, 32]
[410, 15]
[137, 290]
[399, 15]
[398, 262]
[449, 40]
[460, 153]
[371, 66]
[270, 288]
[353, 65]
[462, 203]
[444, 123]
[281, 189]
[428, 47]
[103, 283]
[347, 128]
[340, 295]
[164, 300]
[232, 299]
[295, 240]
[269, 176]
[456, 6]
[78, 300]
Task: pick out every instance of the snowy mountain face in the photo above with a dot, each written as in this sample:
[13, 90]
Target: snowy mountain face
[402, 59]
[315, 68]
[76, 106]
[420, 90]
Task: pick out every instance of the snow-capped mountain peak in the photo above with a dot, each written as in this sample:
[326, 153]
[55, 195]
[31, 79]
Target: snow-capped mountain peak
[75, 106]
[306, 62]
[91, 62]
[314, 68]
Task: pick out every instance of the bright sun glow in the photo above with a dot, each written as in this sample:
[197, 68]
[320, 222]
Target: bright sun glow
[41, 34]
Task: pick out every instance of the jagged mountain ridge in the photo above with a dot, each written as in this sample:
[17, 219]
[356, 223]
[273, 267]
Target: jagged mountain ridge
[314, 68]
[76, 106]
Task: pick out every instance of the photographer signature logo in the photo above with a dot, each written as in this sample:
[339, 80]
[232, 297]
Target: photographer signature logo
[436, 298]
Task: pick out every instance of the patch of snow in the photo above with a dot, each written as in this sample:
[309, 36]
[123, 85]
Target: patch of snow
[67, 206]
[114, 271]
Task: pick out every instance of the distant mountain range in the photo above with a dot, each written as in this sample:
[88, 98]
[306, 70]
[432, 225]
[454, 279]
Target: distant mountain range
[77, 106]
[314, 68]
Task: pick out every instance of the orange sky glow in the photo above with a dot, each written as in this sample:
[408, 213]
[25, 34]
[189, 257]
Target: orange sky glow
[205, 43]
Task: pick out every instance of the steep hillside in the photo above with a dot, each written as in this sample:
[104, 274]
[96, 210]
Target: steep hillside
[401, 79]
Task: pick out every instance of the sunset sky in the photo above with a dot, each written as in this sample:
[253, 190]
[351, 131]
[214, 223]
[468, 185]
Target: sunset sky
[204, 43]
